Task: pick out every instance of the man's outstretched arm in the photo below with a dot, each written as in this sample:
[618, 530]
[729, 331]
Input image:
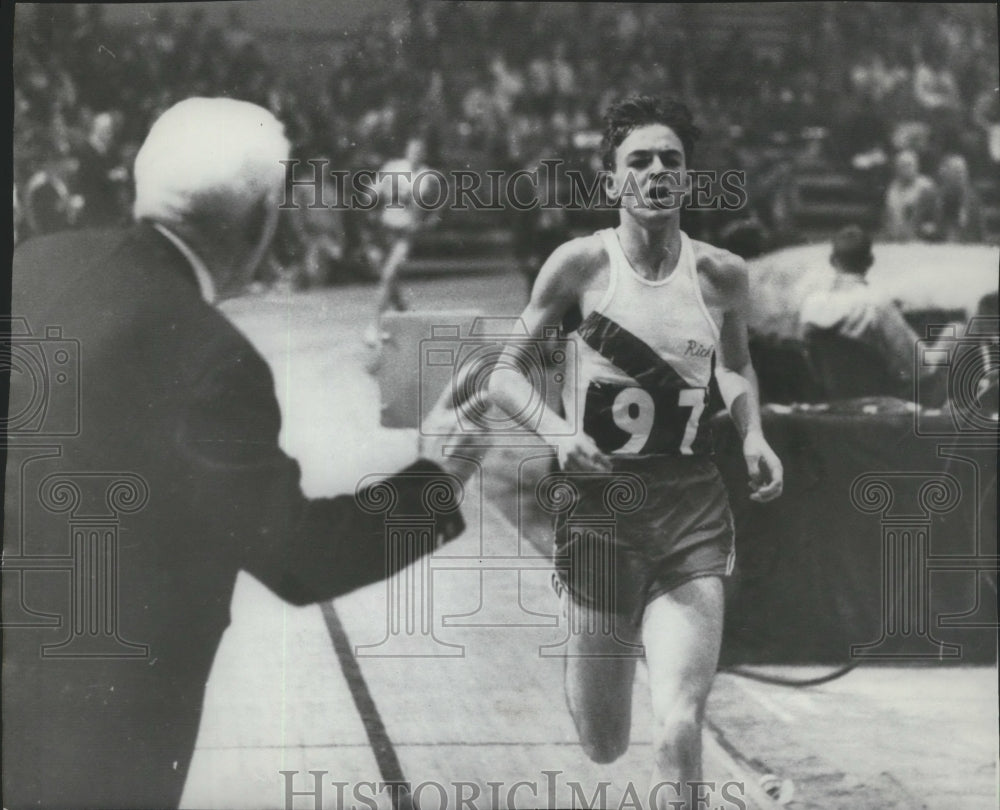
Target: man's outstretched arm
[305, 550]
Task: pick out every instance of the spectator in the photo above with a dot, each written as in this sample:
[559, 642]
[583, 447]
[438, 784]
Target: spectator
[860, 135]
[911, 202]
[986, 117]
[934, 86]
[508, 84]
[540, 83]
[100, 178]
[961, 216]
[939, 101]
[548, 74]
[49, 206]
[561, 71]
[872, 77]
[236, 35]
[849, 309]
[187, 406]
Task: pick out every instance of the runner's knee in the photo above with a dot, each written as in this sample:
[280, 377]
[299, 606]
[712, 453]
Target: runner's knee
[604, 735]
[605, 750]
[679, 727]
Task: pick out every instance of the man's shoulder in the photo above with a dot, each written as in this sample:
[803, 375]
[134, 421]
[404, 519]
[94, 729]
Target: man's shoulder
[134, 276]
[50, 262]
[76, 244]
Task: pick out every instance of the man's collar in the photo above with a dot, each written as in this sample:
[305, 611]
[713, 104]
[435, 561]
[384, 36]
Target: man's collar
[845, 279]
[201, 274]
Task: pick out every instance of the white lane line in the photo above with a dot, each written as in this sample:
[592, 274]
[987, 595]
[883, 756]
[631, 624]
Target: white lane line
[766, 702]
[742, 770]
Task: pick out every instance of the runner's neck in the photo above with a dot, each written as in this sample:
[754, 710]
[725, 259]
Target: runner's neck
[653, 254]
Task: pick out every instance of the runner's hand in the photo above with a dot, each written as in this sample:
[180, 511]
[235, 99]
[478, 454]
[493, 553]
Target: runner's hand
[766, 473]
[579, 453]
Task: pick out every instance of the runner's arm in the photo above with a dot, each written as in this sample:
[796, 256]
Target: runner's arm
[554, 293]
[738, 386]
[735, 373]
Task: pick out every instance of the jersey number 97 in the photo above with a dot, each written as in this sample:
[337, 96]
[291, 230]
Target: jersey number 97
[628, 419]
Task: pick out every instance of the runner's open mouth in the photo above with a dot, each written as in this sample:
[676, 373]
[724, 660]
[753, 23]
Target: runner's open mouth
[663, 194]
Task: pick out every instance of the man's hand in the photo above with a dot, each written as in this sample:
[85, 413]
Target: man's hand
[454, 453]
[579, 453]
[444, 439]
[766, 473]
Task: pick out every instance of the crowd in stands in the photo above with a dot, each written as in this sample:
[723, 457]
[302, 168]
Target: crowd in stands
[85, 95]
[918, 208]
[857, 87]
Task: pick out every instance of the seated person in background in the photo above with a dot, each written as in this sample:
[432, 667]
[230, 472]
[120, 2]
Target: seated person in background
[961, 216]
[853, 311]
[911, 202]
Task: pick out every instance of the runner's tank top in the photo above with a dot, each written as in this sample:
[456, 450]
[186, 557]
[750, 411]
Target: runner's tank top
[644, 359]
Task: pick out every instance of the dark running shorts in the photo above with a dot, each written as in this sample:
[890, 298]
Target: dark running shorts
[641, 530]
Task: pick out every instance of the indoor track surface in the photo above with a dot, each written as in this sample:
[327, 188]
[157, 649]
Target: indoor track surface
[330, 689]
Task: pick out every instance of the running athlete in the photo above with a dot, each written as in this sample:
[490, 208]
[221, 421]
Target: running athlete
[400, 218]
[661, 314]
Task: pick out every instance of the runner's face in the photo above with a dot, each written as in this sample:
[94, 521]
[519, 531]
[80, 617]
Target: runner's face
[650, 175]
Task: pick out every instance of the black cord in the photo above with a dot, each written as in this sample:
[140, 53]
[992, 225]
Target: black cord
[840, 672]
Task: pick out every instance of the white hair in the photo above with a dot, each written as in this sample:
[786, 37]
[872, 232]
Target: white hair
[209, 159]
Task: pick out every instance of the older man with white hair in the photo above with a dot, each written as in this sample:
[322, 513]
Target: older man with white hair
[209, 177]
[151, 473]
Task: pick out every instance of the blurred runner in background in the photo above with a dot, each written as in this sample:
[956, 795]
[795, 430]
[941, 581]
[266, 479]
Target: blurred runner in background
[406, 187]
